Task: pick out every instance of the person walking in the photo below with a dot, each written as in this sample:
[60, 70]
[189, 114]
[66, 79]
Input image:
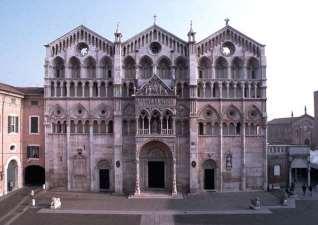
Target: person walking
[310, 190]
[304, 189]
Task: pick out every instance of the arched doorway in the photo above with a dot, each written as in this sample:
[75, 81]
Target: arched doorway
[12, 176]
[34, 175]
[209, 175]
[104, 175]
[155, 168]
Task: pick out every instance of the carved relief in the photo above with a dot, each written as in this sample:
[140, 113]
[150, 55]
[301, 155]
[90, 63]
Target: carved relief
[155, 87]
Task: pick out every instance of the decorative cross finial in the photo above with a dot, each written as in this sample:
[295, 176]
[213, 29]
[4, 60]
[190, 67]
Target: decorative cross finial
[191, 30]
[154, 19]
[305, 110]
[292, 114]
[227, 20]
[117, 27]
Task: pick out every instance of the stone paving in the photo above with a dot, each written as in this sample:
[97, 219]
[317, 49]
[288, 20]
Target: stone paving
[209, 201]
[208, 208]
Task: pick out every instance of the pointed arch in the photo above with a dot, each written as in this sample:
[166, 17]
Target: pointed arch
[75, 67]
[237, 68]
[106, 67]
[204, 67]
[58, 67]
[253, 68]
[164, 67]
[90, 66]
[146, 67]
[221, 68]
[181, 66]
[129, 68]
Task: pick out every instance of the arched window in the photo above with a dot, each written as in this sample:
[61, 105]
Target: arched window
[58, 67]
[253, 69]
[86, 127]
[130, 68]
[181, 68]
[237, 69]
[72, 127]
[225, 130]
[79, 89]
[95, 89]
[238, 128]
[86, 89]
[90, 65]
[201, 129]
[106, 67]
[125, 127]
[109, 89]
[145, 67]
[164, 68]
[102, 89]
[221, 67]
[232, 129]
[58, 127]
[75, 67]
[103, 127]
[276, 170]
[216, 129]
[80, 127]
[95, 127]
[204, 69]
[208, 129]
[131, 89]
[110, 127]
[155, 123]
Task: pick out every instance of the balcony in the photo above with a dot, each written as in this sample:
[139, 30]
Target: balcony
[147, 132]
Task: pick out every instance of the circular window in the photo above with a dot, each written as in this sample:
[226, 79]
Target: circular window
[79, 111]
[58, 112]
[12, 147]
[155, 47]
[82, 49]
[103, 112]
[227, 48]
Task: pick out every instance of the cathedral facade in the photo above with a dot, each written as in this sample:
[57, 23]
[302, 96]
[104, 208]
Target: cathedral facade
[155, 112]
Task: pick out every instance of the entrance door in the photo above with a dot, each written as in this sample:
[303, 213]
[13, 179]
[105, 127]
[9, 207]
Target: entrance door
[156, 174]
[104, 179]
[34, 175]
[209, 179]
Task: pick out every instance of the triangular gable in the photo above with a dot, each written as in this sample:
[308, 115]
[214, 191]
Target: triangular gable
[154, 87]
[152, 34]
[226, 29]
[229, 33]
[79, 29]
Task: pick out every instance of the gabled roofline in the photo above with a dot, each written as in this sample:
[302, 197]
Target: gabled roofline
[77, 28]
[233, 29]
[155, 26]
[151, 78]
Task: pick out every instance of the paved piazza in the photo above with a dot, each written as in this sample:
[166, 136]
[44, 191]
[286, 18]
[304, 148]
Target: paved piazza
[208, 208]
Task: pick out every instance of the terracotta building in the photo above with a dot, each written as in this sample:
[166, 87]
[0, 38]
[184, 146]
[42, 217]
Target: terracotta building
[33, 136]
[155, 112]
[10, 130]
[291, 159]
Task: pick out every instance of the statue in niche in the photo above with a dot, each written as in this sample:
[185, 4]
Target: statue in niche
[79, 165]
[228, 161]
[155, 126]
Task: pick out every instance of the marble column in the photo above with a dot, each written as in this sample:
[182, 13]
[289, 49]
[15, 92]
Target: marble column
[137, 188]
[174, 179]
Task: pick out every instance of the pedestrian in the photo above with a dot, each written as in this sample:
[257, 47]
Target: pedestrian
[304, 189]
[310, 190]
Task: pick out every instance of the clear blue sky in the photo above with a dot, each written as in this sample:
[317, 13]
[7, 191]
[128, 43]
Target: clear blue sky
[288, 28]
